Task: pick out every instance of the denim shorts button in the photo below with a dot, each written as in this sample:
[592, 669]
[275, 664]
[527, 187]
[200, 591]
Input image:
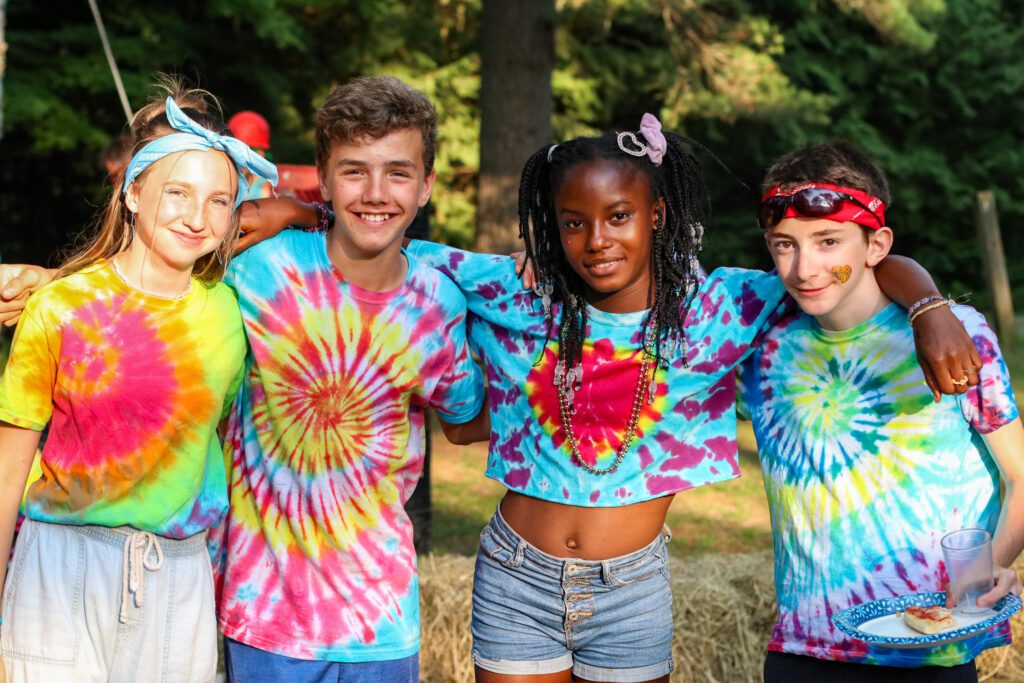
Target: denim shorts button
[572, 569]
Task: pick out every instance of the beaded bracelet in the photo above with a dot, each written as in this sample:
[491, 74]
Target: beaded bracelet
[932, 306]
[923, 302]
[324, 218]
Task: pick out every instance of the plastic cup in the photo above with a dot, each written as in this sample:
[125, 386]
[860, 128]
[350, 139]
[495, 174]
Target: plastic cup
[968, 555]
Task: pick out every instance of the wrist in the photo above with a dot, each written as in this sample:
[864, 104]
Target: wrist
[926, 305]
[324, 217]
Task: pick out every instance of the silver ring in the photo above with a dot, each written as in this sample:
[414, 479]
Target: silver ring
[961, 382]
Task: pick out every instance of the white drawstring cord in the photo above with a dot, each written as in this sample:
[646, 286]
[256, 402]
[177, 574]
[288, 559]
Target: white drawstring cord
[137, 550]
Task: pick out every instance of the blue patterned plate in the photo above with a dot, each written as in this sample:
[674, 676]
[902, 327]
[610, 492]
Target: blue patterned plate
[877, 623]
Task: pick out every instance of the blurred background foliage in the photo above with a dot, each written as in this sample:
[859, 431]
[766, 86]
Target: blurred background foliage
[934, 90]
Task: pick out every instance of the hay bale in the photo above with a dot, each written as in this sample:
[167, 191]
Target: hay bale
[1006, 664]
[723, 607]
[446, 601]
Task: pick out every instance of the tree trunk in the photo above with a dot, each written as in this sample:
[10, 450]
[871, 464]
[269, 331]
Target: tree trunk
[517, 57]
[3, 65]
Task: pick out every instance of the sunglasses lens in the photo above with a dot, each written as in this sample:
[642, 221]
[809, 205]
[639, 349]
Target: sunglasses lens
[771, 212]
[815, 203]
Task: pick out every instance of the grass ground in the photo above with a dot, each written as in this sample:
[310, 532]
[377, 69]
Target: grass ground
[731, 517]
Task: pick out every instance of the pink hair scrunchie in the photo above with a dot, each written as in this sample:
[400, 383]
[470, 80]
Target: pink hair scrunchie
[657, 145]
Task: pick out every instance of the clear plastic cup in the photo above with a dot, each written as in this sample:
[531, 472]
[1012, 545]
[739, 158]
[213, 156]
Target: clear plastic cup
[968, 555]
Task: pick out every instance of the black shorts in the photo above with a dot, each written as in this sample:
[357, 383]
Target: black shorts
[781, 667]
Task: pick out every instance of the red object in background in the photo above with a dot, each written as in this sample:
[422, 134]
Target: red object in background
[250, 128]
[300, 182]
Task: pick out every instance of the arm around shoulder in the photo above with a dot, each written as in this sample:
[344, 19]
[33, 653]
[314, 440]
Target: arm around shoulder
[17, 282]
[944, 348]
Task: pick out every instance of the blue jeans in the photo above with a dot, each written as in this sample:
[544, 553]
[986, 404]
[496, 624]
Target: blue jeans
[533, 613]
[245, 664]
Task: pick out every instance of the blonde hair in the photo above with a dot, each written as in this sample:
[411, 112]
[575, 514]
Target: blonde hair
[112, 232]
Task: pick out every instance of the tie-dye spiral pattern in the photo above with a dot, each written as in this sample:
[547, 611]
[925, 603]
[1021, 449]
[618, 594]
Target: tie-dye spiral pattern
[865, 474]
[327, 444]
[135, 386]
[685, 438]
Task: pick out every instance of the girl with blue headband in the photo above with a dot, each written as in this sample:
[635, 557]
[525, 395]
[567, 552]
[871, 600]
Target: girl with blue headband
[132, 357]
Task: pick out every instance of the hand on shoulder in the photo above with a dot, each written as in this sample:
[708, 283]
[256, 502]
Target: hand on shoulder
[17, 282]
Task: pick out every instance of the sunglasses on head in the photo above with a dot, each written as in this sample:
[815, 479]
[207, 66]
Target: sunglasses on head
[814, 202]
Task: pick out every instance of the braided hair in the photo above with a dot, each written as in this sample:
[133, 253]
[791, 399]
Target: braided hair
[675, 244]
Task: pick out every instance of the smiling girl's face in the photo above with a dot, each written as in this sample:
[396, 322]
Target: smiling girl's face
[183, 206]
[606, 216]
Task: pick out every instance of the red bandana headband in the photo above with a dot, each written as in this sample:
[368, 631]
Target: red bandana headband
[864, 213]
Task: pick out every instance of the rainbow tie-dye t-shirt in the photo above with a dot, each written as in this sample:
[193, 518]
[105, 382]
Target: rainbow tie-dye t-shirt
[865, 474]
[686, 438]
[133, 387]
[327, 443]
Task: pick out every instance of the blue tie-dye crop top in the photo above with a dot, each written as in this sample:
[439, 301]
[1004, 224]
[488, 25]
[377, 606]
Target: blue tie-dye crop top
[685, 438]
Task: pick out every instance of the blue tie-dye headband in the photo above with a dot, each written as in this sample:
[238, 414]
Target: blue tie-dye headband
[197, 138]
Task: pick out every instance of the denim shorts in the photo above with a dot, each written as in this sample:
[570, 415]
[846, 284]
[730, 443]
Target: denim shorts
[533, 613]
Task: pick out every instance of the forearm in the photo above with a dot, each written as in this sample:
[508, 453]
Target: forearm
[476, 430]
[1006, 445]
[1009, 539]
[17, 448]
[904, 280]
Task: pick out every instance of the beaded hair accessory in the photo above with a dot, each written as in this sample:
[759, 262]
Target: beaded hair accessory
[654, 145]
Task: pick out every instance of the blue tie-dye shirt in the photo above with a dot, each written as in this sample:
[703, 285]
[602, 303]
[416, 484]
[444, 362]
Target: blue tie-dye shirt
[865, 473]
[685, 438]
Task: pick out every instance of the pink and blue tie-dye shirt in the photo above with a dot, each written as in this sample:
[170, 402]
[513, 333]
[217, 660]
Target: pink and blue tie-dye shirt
[133, 387]
[865, 473]
[327, 443]
[684, 439]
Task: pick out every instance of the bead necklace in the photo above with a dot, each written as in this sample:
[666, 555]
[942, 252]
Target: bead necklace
[566, 407]
[172, 297]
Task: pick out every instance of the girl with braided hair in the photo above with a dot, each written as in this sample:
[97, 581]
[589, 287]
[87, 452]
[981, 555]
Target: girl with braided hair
[610, 390]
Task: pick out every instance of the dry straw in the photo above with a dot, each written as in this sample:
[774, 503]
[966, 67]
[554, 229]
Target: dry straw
[723, 608]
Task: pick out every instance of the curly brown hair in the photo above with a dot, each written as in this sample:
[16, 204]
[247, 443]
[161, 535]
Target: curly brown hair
[370, 107]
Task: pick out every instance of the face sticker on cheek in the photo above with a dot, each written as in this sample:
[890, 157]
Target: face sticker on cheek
[842, 273]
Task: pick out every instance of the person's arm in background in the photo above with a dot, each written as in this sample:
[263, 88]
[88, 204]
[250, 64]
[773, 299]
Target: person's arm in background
[17, 282]
[944, 349]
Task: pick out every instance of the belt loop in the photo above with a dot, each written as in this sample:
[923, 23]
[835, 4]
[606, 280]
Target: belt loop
[666, 532]
[517, 557]
[606, 572]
